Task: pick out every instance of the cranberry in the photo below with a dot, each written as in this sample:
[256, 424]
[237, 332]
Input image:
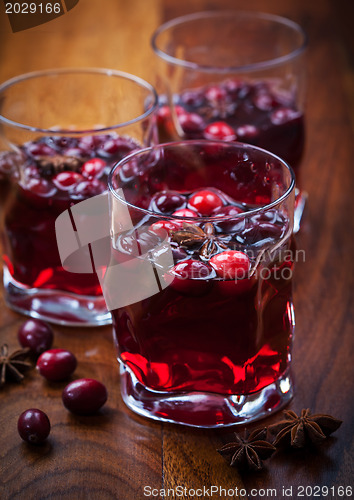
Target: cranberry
[89, 143]
[77, 152]
[205, 201]
[190, 276]
[247, 132]
[56, 364]
[32, 172]
[84, 396]
[88, 188]
[220, 131]
[67, 180]
[40, 187]
[167, 202]
[264, 102]
[39, 149]
[33, 426]
[231, 264]
[215, 94]
[164, 227]
[185, 212]
[36, 335]
[117, 145]
[163, 114]
[93, 168]
[283, 115]
[192, 98]
[227, 211]
[191, 123]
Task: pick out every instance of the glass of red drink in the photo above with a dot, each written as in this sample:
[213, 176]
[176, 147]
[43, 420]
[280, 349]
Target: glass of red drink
[233, 75]
[210, 225]
[62, 130]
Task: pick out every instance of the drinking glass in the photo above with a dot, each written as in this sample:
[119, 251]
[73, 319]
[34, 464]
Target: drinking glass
[61, 132]
[234, 75]
[201, 237]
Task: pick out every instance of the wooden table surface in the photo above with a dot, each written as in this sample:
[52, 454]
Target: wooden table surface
[116, 454]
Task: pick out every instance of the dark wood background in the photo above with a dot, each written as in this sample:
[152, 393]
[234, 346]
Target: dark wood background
[116, 454]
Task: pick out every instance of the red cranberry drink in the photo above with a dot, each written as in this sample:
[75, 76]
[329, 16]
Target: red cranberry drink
[234, 76]
[212, 347]
[246, 111]
[61, 150]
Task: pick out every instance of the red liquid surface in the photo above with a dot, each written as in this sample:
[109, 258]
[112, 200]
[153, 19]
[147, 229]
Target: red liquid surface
[207, 333]
[35, 199]
[257, 113]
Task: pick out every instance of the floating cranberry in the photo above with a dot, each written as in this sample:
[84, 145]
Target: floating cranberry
[39, 149]
[93, 167]
[231, 264]
[191, 123]
[205, 201]
[117, 145]
[284, 115]
[90, 142]
[163, 114]
[76, 152]
[88, 188]
[220, 131]
[40, 187]
[185, 212]
[164, 227]
[36, 335]
[264, 101]
[84, 396]
[33, 426]
[215, 94]
[192, 98]
[67, 180]
[167, 202]
[247, 132]
[56, 364]
[227, 211]
[190, 276]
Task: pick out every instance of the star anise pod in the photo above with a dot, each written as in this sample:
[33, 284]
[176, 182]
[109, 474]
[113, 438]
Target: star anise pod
[58, 163]
[192, 235]
[297, 431]
[247, 452]
[12, 364]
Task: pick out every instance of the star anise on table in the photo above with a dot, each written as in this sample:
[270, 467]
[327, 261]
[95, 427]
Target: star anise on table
[13, 364]
[58, 163]
[248, 451]
[192, 235]
[297, 431]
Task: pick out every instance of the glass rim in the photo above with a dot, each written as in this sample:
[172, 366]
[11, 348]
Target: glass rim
[263, 65]
[239, 145]
[84, 70]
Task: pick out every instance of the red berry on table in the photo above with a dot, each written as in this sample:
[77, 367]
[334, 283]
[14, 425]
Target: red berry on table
[84, 396]
[205, 201]
[67, 180]
[36, 335]
[33, 426]
[93, 168]
[185, 212]
[219, 131]
[231, 264]
[56, 364]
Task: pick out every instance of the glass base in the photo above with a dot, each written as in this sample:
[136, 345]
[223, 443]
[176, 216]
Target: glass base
[204, 409]
[55, 306]
[300, 202]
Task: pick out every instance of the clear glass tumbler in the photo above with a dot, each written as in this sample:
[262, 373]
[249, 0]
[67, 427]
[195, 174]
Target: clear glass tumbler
[61, 132]
[201, 237]
[234, 75]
